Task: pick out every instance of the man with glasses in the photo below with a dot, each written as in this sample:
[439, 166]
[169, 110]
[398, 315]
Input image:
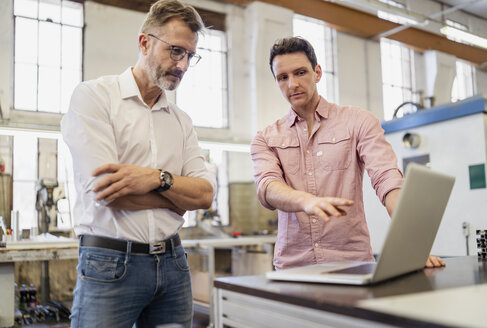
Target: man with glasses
[138, 168]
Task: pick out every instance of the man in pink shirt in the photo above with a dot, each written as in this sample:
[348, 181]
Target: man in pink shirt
[310, 164]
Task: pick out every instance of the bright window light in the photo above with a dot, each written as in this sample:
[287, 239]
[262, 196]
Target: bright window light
[217, 162]
[26, 168]
[323, 40]
[397, 12]
[399, 19]
[203, 93]
[398, 79]
[464, 82]
[48, 53]
[458, 35]
[456, 25]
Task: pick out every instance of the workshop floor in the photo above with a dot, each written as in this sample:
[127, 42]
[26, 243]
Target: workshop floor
[200, 320]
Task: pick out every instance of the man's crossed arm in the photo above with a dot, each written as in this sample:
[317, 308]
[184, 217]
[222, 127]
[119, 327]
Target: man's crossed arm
[131, 187]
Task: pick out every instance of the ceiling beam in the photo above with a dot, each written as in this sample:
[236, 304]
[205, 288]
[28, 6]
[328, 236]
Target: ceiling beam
[211, 19]
[422, 40]
[137, 5]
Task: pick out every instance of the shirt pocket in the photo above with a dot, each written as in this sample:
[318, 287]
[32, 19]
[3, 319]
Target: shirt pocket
[335, 151]
[288, 151]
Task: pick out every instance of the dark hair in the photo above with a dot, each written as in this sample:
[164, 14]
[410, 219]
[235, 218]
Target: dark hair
[291, 45]
[164, 10]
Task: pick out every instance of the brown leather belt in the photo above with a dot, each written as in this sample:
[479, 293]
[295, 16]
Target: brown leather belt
[121, 245]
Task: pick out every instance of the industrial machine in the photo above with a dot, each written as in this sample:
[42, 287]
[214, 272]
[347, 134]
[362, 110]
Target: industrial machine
[450, 138]
[48, 195]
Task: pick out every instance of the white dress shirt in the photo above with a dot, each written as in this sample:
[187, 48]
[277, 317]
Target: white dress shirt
[108, 122]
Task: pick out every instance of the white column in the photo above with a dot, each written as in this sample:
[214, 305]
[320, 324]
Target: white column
[440, 71]
[359, 73]
[266, 24]
[7, 299]
[6, 58]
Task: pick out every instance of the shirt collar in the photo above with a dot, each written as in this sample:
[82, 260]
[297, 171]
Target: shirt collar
[129, 88]
[322, 110]
[292, 117]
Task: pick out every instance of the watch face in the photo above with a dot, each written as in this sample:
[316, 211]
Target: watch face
[168, 180]
[161, 176]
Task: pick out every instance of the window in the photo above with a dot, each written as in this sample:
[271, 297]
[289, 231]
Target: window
[48, 53]
[323, 40]
[204, 93]
[456, 25]
[398, 78]
[464, 82]
[399, 13]
[24, 179]
[41, 155]
[219, 212]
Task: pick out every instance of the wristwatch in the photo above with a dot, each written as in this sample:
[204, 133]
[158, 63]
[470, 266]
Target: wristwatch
[166, 181]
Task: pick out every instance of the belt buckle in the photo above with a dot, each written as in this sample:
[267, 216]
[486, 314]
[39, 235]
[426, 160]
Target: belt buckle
[157, 248]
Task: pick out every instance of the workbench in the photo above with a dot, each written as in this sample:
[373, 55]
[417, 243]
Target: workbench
[68, 249]
[63, 249]
[207, 247]
[453, 296]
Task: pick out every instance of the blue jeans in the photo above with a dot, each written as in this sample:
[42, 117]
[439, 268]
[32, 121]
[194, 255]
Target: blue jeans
[117, 289]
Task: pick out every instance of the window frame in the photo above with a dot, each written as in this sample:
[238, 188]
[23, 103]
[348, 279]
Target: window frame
[329, 75]
[214, 21]
[37, 64]
[411, 72]
[460, 92]
[225, 83]
[66, 179]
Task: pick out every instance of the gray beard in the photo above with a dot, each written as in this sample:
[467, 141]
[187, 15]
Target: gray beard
[159, 77]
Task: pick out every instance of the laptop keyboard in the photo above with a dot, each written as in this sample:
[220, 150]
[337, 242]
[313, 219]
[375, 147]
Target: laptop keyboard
[359, 269]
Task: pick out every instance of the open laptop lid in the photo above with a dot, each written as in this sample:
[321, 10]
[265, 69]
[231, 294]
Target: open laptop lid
[415, 222]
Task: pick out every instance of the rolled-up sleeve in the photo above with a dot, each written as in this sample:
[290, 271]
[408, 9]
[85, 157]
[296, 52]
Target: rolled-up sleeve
[267, 167]
[193, 160]
[378, 156]
[87, 131]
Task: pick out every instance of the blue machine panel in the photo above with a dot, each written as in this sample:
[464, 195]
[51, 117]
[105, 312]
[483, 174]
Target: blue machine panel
[469, 106]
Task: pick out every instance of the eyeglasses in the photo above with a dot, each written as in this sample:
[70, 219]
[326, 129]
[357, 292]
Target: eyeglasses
[178, 53]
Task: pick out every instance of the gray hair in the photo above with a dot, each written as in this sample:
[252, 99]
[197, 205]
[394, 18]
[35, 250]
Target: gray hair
[164, 10]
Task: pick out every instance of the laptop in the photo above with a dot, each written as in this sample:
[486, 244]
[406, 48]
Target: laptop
[415, 221]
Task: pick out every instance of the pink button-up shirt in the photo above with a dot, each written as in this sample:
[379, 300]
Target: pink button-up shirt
[330, 162]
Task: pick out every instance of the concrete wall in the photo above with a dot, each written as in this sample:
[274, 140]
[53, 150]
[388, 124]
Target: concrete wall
[359, 73]
[481, 82]
[6, 57]
[110, 39]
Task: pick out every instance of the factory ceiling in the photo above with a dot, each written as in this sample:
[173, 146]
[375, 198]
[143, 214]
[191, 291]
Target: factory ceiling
[344, 16]
[473, 7]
